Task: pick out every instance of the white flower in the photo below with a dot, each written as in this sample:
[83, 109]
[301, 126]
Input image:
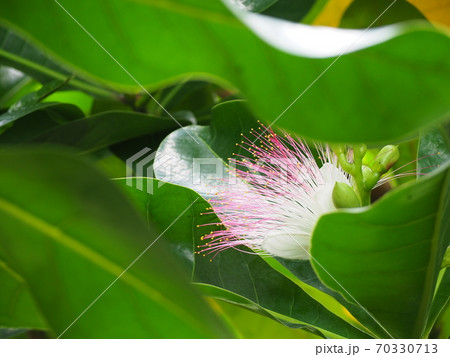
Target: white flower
[281, 194]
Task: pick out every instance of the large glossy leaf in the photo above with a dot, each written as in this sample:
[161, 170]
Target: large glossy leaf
[104, 129]
[382, 100]
[18, 52]
[194, 96]
[9, 78]
[304, 271]
[241, 278]
[386, 258]
[30, 116]
[32, 102]
[17, 307]
[218, 141]
[12, 83]
[69, 233]
[35, 123]
[251, 325]
[77, 98]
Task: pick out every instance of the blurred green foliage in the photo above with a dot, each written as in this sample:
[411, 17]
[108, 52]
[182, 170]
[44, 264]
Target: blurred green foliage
[98, 81]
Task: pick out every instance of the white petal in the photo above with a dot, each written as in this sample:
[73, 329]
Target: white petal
[324, 195]
[288, 246]
[324, 198]
[332, 174]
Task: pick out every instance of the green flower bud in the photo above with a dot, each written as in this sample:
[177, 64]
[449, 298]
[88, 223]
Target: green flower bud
[370, 177]
[344, 196]
[387, 157]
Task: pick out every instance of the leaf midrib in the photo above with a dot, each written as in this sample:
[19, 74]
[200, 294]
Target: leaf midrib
[94, 257]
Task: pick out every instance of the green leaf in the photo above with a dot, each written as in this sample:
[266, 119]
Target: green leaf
[35, 123]
[241, 278]
[104, 129]
[32, 102]
[69, 233]
[327, 12]
[17, 307]
[361, 14]
[271, 61]
[9, 78]
[77, 98]
[386, 258]
[194, 96]
[289, 10]
[304, 271]
[39, 95]
[219, 140]
[446, 260]
[440, 301]
[30, 116]
[251, 325]
[18, 52]
[12, 84]
[247, 275]
[442, 327]
[433, 151]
